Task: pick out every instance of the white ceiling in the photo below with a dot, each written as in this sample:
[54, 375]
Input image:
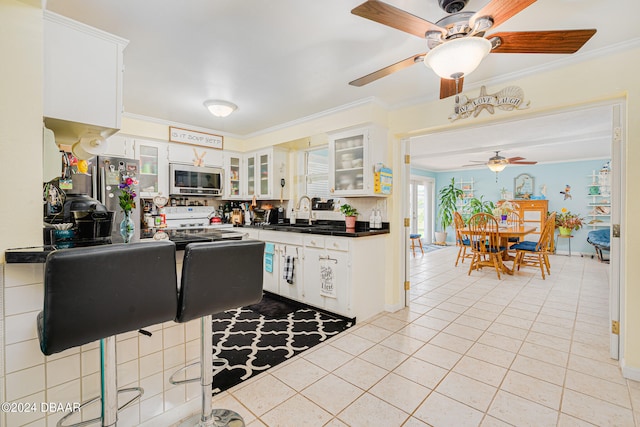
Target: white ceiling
[284, 60]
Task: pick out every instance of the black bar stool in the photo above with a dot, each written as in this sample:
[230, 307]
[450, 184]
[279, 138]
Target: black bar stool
[95, 293]
[216, 276]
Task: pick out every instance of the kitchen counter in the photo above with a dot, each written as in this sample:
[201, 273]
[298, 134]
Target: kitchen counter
[38, 254]
[326, 228]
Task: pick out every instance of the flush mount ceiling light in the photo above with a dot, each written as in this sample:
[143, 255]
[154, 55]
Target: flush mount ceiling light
[456, 58]
[220, 108]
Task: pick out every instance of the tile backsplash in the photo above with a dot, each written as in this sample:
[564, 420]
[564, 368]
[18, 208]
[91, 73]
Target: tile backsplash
[74, 375]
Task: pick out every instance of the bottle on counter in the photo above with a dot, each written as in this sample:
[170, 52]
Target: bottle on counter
[372, 220]
[378, 219]
[292, 217]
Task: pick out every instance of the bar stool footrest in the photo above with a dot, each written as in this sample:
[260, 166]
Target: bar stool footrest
[218, 365]
[139, 390]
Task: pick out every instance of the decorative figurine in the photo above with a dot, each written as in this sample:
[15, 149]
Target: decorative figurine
[567, 192]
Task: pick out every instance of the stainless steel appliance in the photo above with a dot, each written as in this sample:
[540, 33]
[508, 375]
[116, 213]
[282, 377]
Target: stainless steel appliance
[261, 216]
[192, 180]
[186, 217]
[107, 176]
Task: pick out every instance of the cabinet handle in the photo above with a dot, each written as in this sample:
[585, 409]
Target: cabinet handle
[335, 245]
[327, 258]
[313, 242]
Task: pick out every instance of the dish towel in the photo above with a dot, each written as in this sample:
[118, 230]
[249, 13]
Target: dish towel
[269, 250]
[287, 274]
[327, 287]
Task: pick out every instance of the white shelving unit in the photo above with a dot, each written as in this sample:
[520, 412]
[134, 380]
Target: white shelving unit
[599, 199]
[467, 193]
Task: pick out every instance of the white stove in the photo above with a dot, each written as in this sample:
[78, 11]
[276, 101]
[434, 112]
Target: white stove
[186, 217]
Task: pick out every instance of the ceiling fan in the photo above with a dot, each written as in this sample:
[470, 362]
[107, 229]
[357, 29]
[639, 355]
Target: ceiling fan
[457, 42]
[497, 163]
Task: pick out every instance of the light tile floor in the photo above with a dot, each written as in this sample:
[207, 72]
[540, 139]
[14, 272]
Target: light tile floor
[471, 350]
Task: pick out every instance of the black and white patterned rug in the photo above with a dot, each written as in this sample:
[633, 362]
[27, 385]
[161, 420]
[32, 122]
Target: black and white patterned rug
[258, 337]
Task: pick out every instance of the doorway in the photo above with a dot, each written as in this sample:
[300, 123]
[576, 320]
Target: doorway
[421, 206]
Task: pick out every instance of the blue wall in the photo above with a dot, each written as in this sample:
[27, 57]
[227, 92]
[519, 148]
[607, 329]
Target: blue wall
[555, 176]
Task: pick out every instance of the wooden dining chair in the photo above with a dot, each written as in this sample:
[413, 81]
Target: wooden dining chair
[536, 254]
[513, 220]
[485, 243]
[462, 239]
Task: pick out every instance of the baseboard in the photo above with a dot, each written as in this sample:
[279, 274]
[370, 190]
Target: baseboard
[630, 372]
[392, 308]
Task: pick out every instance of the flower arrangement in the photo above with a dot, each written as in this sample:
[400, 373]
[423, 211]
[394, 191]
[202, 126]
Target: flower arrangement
[128, 194]
[503, 208]
[566, 219]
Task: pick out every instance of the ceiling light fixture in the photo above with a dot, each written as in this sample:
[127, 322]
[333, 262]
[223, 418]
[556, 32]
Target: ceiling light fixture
[456, 58]
[497, 166]
[220, 108]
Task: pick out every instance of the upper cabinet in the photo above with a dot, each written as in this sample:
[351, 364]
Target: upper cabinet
[153, 176]
[352, 157]
[258, 173]
[83, 72]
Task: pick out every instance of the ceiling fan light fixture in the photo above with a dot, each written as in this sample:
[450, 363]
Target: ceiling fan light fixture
[458, 57]
[497, 167]
[220, 108]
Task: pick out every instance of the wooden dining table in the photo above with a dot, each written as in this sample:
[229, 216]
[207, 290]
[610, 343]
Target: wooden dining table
[504, 233]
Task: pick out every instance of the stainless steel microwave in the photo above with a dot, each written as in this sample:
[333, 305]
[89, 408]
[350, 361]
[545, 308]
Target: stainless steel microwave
[189, 180]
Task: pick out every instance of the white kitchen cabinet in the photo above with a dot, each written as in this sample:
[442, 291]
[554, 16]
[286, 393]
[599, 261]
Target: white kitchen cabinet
[120, 146]
[257, 173]
[189, 154]
[285, 244]
[331, 267]
[352, 156]
[153, 176]
[233, 181]
[264, 171]
[83, 70]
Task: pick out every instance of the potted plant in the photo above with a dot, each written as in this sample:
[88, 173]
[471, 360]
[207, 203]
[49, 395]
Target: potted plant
[350, 213]
[567, 222]
[447, 205]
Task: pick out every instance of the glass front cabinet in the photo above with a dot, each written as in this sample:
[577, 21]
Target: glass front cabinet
[257, 174]
[153, 178]
[353, 155]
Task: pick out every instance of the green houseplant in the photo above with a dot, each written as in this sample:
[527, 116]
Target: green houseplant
[447, 205]
[350, 213]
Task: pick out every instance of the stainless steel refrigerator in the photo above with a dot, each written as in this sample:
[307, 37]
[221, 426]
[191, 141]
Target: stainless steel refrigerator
[107, 175]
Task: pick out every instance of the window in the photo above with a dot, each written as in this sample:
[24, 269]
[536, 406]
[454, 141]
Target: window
[317, 173]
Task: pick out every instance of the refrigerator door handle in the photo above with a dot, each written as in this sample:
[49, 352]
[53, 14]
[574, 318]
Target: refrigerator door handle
[103, 188]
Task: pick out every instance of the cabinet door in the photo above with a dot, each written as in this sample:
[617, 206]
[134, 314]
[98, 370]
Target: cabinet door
[292, 290]
[250, 176]
[82, 73]
[270, 281]
[338, 263]
[153, 176]
[349, 163]
[119, 146]
[233, 177]
[264, 174]
[312, 276]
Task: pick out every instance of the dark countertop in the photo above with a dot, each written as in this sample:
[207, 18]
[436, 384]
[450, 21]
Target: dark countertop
[327, 228]
[181, 238]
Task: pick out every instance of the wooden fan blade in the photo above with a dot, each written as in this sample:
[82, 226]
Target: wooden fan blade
[396, 18]
[383, 72]
[514, 159]
[560, 41]
[448, 87]
[500, 10]
[522, 163]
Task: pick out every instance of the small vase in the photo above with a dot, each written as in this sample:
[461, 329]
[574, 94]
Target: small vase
[565, 231]
[127, 227]
[504, 219]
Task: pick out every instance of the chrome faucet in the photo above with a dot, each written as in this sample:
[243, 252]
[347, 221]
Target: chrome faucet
[310, 207]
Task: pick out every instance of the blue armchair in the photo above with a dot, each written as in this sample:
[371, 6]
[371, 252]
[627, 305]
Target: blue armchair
[601, 240]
